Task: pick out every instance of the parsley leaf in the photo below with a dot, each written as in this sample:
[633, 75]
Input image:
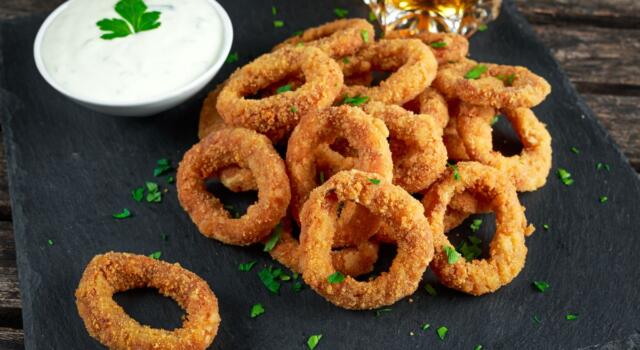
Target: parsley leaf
[507, 79]
[452, 254]
[273, 239]
[336, 277]
[475, 225]
[565, 176]
[425, 326]
[442, 332]
[575, 150]
[536, 319]
[137, 194]
[470, 251]
[365, 35]
[284, 88]
[321, 177]
[482, 27]
[278, 24]
[603, 199]
[340, 12]
[601, 166]
[541, 286]
[346, 60]
[495, 120]
[155, 255]
[438, 44]
[475, 72]
[50, 241]
[136, 19]
[125, 213]
[274, 10]
[233, 57]
[478, 347]
[153, 192]
[374, 181]
[246, 267]
[297, 286]
[268, 277]
[257, 310]
[313, 341]
[356, 100]
[545, 227]
[456, 174]
[297, 33]
[163, 166]
[430, 289]
[571, 317]
[372, 16]
[294, 109]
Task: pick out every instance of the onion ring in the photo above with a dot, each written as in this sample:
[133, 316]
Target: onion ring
[395, 207]
[367, 135]
[447, 47]
[352, 261]
[275, 116]
[419, 156]
[412, 62]
[432, 103]
[107, 322]
[529, 169]
[337, 39]
[219, 150]
[507, 249]
[500, 86]
[210, 119]
[451, 138]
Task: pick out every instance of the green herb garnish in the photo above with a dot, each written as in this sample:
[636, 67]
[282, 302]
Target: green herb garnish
[478, 347]
[442, 332]
[575, 150]
[430, 289]
[50, 242]
[297, 286]
[601, 166]
[153, 192]
[336, 277]
[346, 60]
[438, 44]
[138, 194]
[475, 72]
[495, 120]
[425, 326]
[125, 213]
[155, 255]
[471, 251]
[507, 79]
[545, 227]
[452, 254]
[541, 286]
[233, 57]
[246, 267]
[536, 319]
[340, 12]
[274, 10]
[571, 317]
[297, 33]
[565, 176]
[257, 310]
[372, 16]
[456, 174]
[380, 312]
[294, 109]
[284, 89]
[313, 341]
[482, 27]
[365, 35]
[163, 166]
[475, 225]
[135, 19]
[273, 240]
[269, 277]
[321, 177]
[278, 24]
[356, 100]
[603, 199]
[374, 181]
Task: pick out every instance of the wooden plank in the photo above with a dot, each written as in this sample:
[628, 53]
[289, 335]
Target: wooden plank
[11, 339]
[596, 56]
[609, 13]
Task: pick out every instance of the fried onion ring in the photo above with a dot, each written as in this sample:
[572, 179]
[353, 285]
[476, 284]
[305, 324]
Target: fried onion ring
[367, 135]
[447, 47]
[107, 322]
[507, 249]
[432, 103]
[276, 115]
[413, 65]
[495, 87]
[219, 150]
[396, 208]
[529, 169]
[352, 261]
[337, 39]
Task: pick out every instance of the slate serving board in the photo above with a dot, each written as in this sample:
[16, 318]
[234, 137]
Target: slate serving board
[71, 168]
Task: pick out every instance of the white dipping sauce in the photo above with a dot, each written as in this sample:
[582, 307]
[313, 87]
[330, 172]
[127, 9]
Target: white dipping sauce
[140, 66]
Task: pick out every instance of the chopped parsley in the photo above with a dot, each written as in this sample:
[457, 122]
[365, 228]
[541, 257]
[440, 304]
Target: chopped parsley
[274, 10]
[163, 166]
[372, 16]
[541, 286]
[278, 24]
[430, 289]
[365, 35]
[545, 227]
[475, 72]
[297, 33]
[374, 181]
[269, 277]
[135, 19]
[232, 210]
[381, 312]
[507, 79]
[340, 12]
[575, 150]
[153, 192]
[297, 286]
[273, 240]
[155, 255]
[475, 225]
[356, 100]
[456, 174]
[313, 341]
[482, 27]
[571, 317]
[284, 89]
[603, 199]
[346, 60]
[125, 213]
[246, 267]
[438, 44]
[452, 254]
[336, 277]
[321, 177]
[233, 57]
[536, 319]
[442, 332]
[294, 109]
[170, 180]
[472, 250]
[425, 326]
[604, 166]
[50, 241]
[565, 176]
[257, 310]
[137, 194]
[495, 120]
[478, 347]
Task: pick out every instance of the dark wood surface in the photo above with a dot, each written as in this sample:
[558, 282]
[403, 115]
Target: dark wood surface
[596, 41]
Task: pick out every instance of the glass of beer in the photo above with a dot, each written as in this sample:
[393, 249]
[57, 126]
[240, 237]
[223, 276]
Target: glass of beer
[453, 16]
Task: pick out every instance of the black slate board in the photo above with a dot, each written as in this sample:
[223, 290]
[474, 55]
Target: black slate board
[70, 169]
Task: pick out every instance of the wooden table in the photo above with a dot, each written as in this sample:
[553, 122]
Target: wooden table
[596, 41]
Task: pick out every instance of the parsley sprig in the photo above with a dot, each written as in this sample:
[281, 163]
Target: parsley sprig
[135, 19]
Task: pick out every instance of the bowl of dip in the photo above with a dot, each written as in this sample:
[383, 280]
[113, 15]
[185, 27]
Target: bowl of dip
[146, 69]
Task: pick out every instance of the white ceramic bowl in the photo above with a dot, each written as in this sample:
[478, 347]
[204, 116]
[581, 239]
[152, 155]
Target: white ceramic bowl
[144, 107]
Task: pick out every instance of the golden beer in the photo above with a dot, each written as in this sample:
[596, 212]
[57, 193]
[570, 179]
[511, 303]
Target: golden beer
[456, 16]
